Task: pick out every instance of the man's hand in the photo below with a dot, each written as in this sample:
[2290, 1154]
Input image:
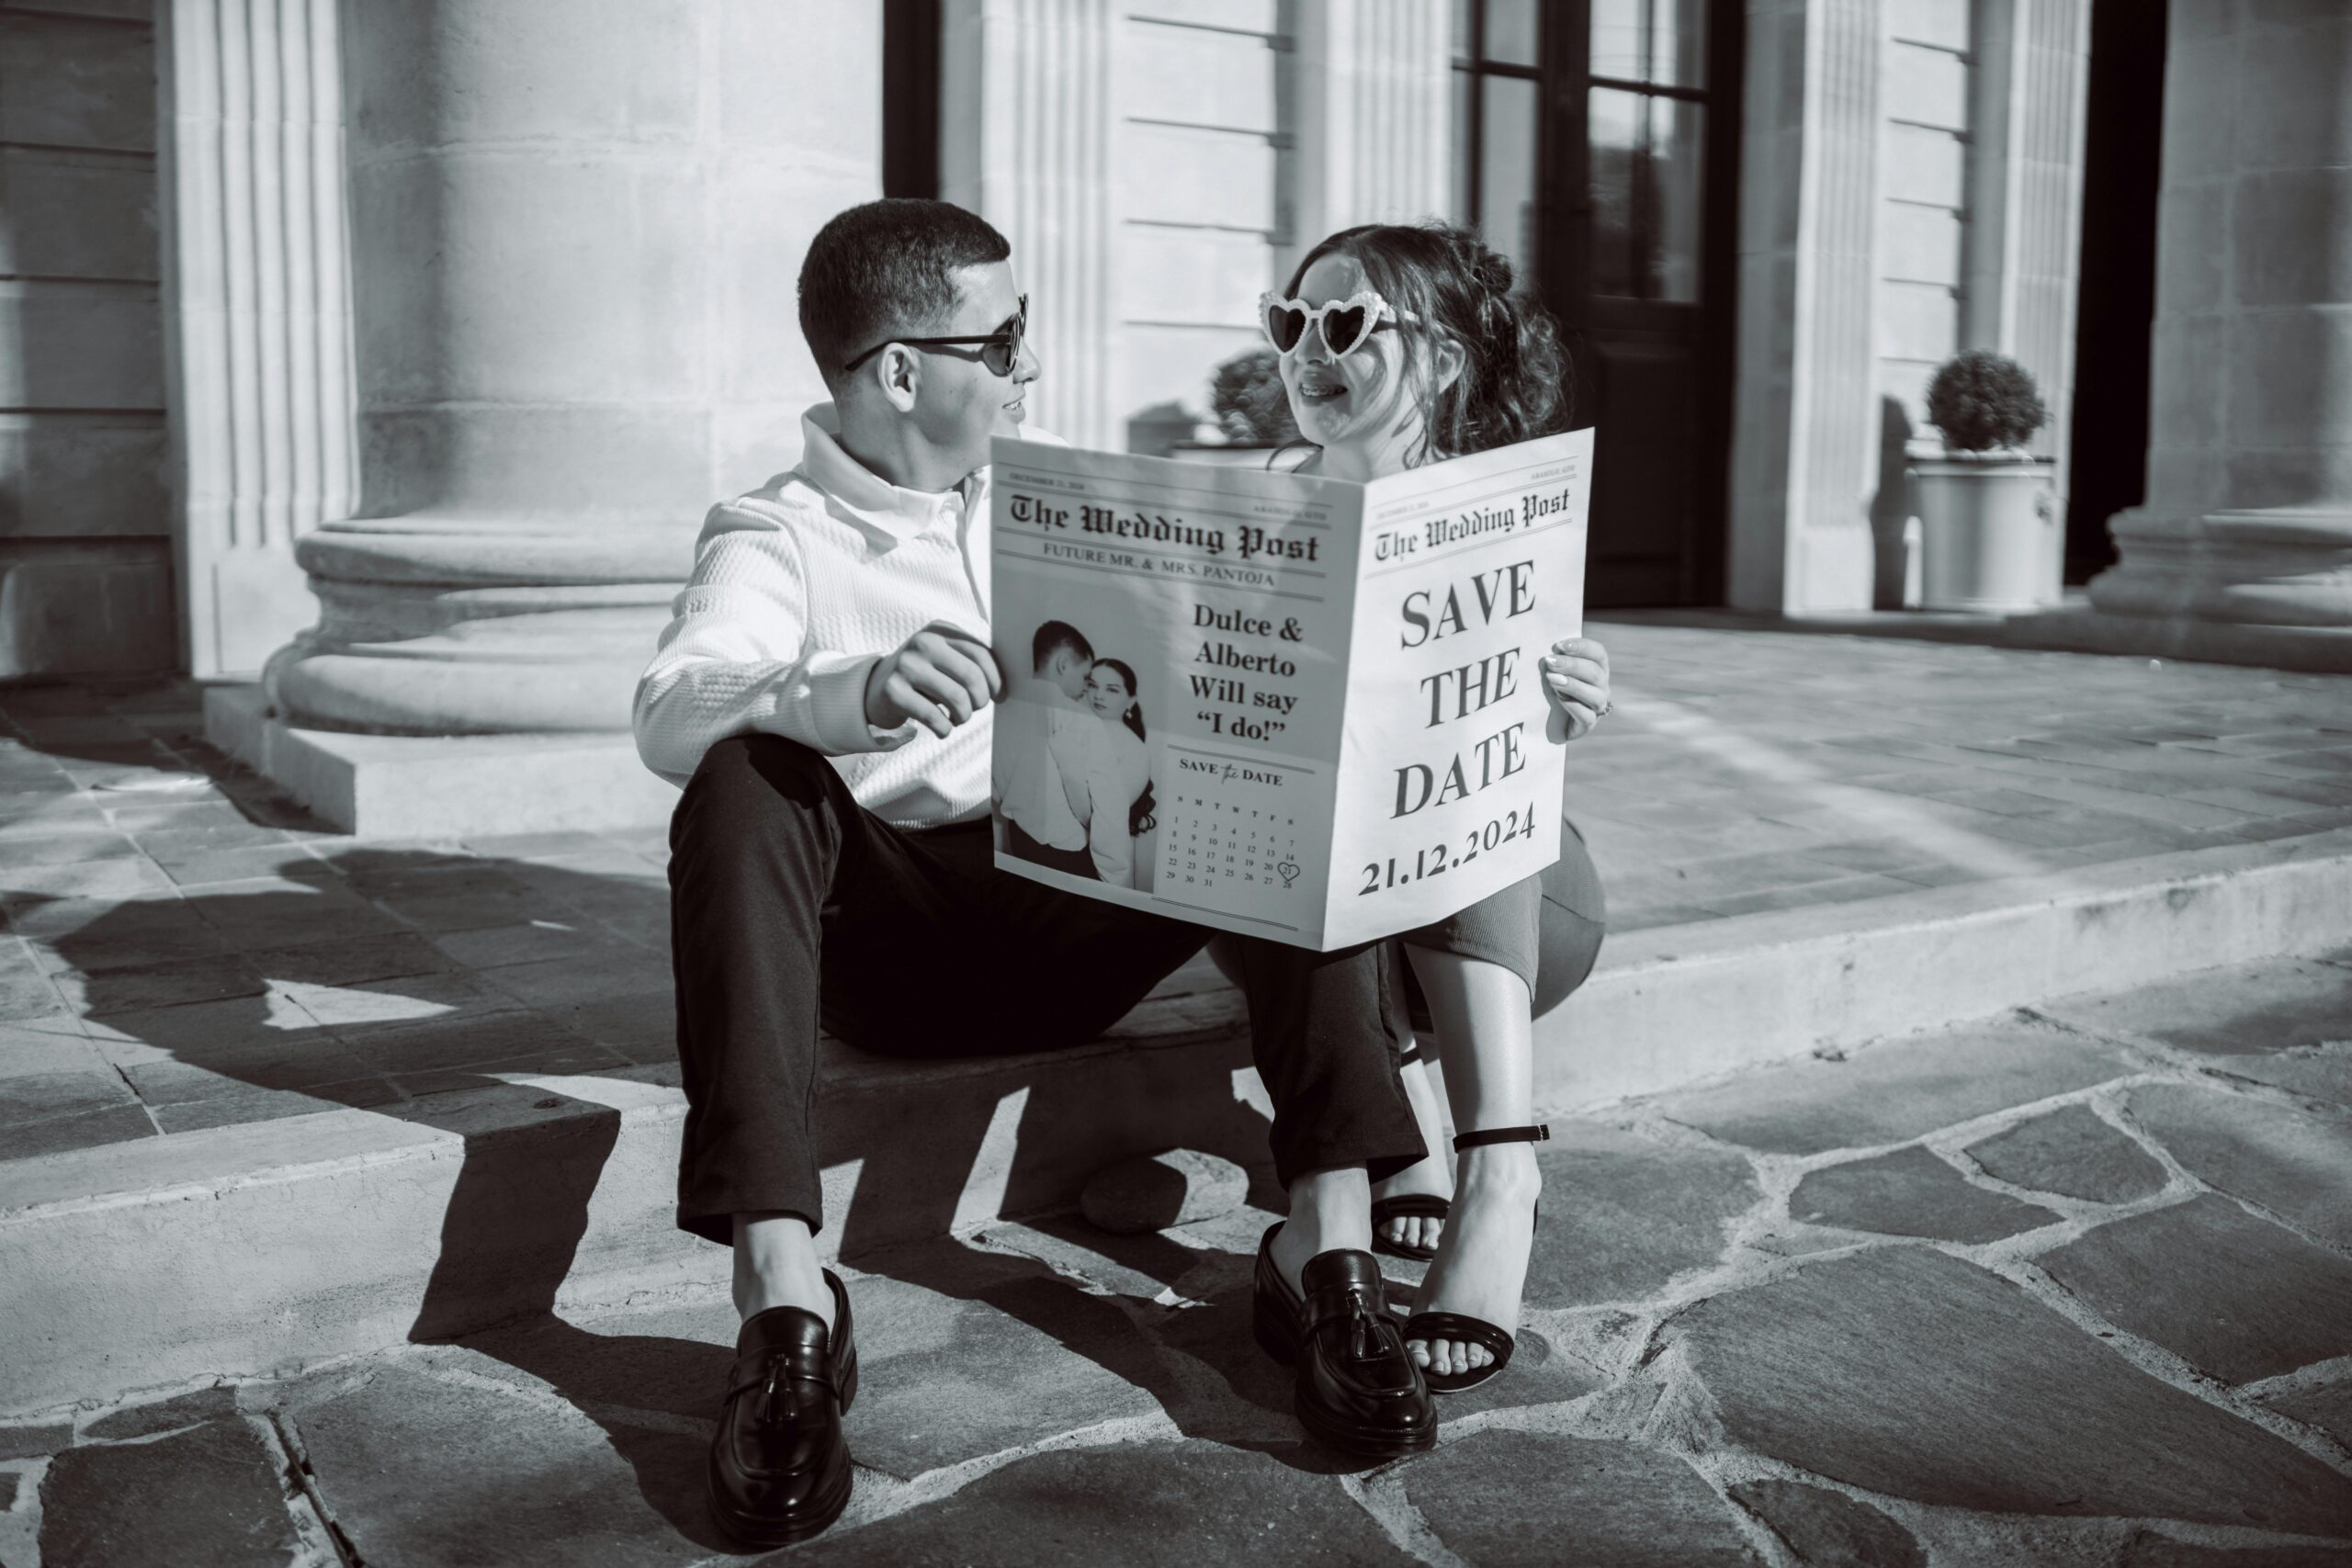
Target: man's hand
[1576, 674]
[939, 678]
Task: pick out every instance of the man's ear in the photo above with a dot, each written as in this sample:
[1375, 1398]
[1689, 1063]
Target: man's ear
[899, 372]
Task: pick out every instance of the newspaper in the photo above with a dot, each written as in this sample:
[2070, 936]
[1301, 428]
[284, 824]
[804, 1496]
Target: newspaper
[1279, 704]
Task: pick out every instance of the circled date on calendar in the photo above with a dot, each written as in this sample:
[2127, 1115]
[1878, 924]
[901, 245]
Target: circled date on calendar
[1438, 858]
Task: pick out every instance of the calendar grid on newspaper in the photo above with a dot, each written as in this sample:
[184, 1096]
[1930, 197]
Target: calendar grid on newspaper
[1280, 703]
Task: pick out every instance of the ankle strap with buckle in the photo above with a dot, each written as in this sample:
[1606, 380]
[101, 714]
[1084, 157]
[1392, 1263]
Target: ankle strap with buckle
[1539, 1133]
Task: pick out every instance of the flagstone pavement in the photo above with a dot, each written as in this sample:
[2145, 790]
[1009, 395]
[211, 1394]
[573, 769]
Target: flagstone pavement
[2069, 1286]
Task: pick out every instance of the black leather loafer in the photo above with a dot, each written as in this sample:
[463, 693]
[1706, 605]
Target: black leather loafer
[779, 1464]
[1357, 1391]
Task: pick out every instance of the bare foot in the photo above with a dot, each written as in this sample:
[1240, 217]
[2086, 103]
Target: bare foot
[1434, 1174]
[1482, 1267]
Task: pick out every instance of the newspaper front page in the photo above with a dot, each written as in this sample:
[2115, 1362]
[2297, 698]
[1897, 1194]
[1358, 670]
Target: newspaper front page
[1279, 704]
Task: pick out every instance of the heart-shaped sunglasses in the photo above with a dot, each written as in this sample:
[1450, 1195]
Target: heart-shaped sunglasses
[1346, 324]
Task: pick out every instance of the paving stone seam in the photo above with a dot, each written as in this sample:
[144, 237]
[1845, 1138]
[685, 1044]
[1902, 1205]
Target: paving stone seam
[2309, 1378]
[20, 1525]
[881, 1496]
[1673, 1415]
[2166, 1366]
[1382, 1496]
[319, 1542]
[2009, 1256]
[539, 1398]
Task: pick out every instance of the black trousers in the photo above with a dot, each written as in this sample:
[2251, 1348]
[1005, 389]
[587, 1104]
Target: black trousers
[792, 907]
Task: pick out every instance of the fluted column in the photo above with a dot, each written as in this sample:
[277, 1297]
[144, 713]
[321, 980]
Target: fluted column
[258, 310]
[1372, 131]
[2243, 547]
[1803, 449]
[574, 227]
[1027, 90]
[2029, 93]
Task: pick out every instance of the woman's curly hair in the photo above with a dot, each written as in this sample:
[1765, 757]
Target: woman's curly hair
[1514, 382]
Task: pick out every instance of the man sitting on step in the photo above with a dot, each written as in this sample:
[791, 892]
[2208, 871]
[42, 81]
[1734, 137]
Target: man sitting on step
[824, 696]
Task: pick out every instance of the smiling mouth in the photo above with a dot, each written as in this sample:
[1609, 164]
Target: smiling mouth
[1316, 391]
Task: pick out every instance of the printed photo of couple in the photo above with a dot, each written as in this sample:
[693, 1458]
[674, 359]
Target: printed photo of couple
[1072, 784]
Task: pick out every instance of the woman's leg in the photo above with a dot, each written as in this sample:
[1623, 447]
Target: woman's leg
[1433, 1174]
[1487, 1035]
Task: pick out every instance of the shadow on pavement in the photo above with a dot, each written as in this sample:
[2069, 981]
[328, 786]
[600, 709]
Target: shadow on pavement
[324, 986]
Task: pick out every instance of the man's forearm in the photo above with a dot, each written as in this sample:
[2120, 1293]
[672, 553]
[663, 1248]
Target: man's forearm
[687, 705]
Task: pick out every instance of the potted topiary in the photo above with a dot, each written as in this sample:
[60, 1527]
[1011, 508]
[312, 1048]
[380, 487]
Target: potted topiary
[1252, 412]
[1988, 511]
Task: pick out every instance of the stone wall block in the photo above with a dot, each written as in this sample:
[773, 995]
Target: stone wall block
[558, 280]
[2198, 21]
[2191, 477]
[770, 214]
[543, 461]
[2201, 81]
[451, 72]
[2295, 476]
[2292, 112]
[79, 475]
[2191, 369]
[2290, 239]
[65, 83]
[2290, 380]
[78, 345]
[769, 99]
[2194, 267]
[86, 609]
[77, 215]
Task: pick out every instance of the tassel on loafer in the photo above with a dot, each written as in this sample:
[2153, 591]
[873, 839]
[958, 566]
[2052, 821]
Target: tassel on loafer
[779, 1464]
[1356, 1389]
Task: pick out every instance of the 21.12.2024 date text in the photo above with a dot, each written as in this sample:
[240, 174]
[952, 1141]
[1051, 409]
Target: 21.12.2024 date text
[1439, 858]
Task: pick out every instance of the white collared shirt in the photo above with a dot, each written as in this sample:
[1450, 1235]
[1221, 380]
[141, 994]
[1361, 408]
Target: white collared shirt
[799, 588]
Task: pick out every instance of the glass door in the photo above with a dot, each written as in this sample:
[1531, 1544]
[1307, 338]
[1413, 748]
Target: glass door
[1596, 144]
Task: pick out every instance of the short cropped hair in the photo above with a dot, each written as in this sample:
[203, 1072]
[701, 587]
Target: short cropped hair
[885, 269]
[1056, 635]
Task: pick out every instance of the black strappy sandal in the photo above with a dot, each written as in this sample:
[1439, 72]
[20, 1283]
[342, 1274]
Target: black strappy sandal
[1406, 1206]
[1456, 1325]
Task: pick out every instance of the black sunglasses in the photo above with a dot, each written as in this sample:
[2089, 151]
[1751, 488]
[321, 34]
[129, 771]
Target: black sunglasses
[998, 352]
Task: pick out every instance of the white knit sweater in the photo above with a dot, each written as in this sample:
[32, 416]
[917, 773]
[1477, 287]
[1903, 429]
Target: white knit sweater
[798, 588]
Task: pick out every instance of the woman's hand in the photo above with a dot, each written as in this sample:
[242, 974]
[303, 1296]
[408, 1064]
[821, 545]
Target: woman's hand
[1576, 674]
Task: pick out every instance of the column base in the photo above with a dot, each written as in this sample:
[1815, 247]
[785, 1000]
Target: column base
[398, 787]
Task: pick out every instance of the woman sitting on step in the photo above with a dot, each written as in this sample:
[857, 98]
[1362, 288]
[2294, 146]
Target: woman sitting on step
[1403, 345]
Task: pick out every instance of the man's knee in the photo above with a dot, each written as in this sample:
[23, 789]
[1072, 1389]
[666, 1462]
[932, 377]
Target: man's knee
[746, 784]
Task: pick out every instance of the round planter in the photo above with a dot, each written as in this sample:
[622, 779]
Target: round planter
[1989, 532]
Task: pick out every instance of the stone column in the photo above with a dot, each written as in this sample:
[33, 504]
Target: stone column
[258, 297]
[1372, 126]
[2243, 549]
[1030, 142]
[2024, 238]
[1805, 441]
[574, 231]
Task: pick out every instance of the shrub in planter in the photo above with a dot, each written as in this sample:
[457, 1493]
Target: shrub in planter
[1246, 393]
[1987, 521]
[1983, 402]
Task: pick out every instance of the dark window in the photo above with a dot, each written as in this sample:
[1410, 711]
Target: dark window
[911, 98]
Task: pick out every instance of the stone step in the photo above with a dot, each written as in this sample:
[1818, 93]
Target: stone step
[266, 1248]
